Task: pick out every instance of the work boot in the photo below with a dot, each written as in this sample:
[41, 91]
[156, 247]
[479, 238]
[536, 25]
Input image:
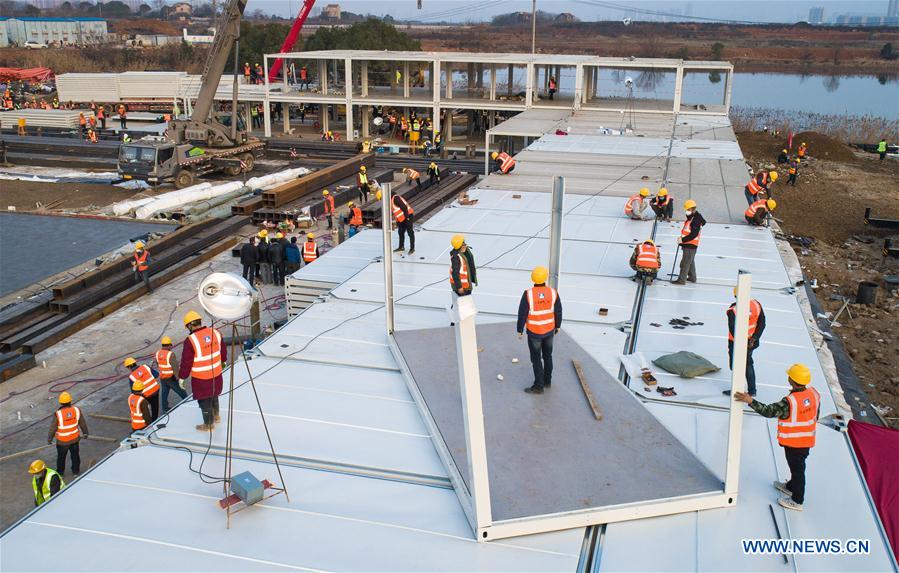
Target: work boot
[727, 393]
[399, 249]
[534, 389]
[678, 282]
[788, 503]
[691, 280]
[204, 428]
[411, 251]
[781, 486]
[218, 418]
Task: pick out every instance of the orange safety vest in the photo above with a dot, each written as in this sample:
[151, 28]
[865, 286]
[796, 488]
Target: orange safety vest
[309, 254]
[801, 151]
[552, 84]
[792, 169]
[67, 419]
[685, 230]
[413, 174]
[403, 124]
[463, 274]
[101, 113]
[141, 260]
[505, 162]
[755, 187]
[207, 344]
[798, 431]
[397, 212]
[647, 256]
[755, 309]
[629, 206]
[122, 111]
[246, 70]
[541, 309]
[356, 219]
[329, 204]
[137, 417]
[754, 207]
[82, 121]
[92, 135]
[143, 374]
[164, 361]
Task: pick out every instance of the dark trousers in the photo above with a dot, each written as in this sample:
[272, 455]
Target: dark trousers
[330, 220]
[417, 182]
[143, 276]
[551, 94]
[123, 123]
[283, 271]
[405, 228]
[170, 385]
[210, 409]
[792, 180]
[750, 198]
[249, 273]
[796, 460]
[687, 264]
[663, 211]
[153, 402]
[433, 179]
[541, 350]
[103, 123]
[882, 154]
[62, 450]
[277, 279]
[750, 365]
[363, 193]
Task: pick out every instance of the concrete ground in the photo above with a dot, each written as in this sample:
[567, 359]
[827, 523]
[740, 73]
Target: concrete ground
[89, 366]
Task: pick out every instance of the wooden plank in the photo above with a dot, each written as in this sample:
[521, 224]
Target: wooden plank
[597, 413]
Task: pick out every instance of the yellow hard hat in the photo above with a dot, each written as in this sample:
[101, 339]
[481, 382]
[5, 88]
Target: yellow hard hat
[650, 241]
[771, 204]
[457, 241]
[405, 170]
[325, 192]
[798, 161]
[773, 175]
[800, 374]
[644, 192]
[494, 155]
[279, 236]
[263, 233]
[689, 204]
[803, 143]
[65, 398]
[192, 316]
[310, 235]
[735, 291]
[539, 275]
[129, 362]
[36, 467]
[166, 340]
[379, 195]
[362, 168]
[138, 386]
[350, 204]
[663, 192]
[139, 245]
[432, 164]
[785, 151]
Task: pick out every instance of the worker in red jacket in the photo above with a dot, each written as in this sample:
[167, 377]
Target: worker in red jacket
[202, 358]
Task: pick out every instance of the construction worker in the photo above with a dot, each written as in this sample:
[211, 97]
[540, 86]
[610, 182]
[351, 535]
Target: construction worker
[138, 407]
[793, 171]
[882, 148]
[413, 176]
[463, 271]
[247, 72]
[756, 328]
[784, 156]
[362, 184]
[101, 115]
[503, 160]
[803, 149]
[202, 357]
[354, 218]
[92, 122]
[636, 204]
[82, 124]
[540, 312]
[21, 125]
[92, 135]
[762, 181]
[141, 264]
[68, 427]
[414, 134]
[646, 261]
[123, 116]
[403, 214]
[304, 77]
[293, 256]
[310, 249]
[167, 365]
[433, 174]
[662, 205]
[328, 200]
[797, 417]
[276, 259]
[757, 213]
[149, 379]
[283, 243]
[45, 482]
[126, 138]
[249, 260]
[264, 270]
[689, 243]
[552, 87]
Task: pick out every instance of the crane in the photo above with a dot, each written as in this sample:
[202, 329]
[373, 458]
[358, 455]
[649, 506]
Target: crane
[292, 37]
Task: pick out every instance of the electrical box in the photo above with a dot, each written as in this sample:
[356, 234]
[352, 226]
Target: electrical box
[249, 489]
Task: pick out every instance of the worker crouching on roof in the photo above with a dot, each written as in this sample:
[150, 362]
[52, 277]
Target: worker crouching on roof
[167, 364]
[662, 205]
[202, 357]
[353, 218]
[149, 380]
[141, 264]
[68, 426]
[797, 418]
[760, 182]
[540, 312]
[757, 213]
[45, 482]
[636, 204]
[138, 407]
[646, 261]
[504, 162]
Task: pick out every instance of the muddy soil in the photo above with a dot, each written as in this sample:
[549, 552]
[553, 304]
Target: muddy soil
[828, 205]
[25, 195]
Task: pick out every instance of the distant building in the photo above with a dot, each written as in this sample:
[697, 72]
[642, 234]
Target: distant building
[181, 9]
[566, 18]
[331, 11]
[893, 9]
[53, 31]
[816, 15]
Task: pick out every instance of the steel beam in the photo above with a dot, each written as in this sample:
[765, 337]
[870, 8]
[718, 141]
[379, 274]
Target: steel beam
[738, 384]
[555, 231]
[388, 257]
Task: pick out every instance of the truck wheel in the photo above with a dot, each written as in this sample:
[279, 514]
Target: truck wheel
[185, 178]
[231, 171]
[249, 160]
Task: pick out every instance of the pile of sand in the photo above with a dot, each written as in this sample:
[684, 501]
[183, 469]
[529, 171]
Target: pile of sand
[822, 146]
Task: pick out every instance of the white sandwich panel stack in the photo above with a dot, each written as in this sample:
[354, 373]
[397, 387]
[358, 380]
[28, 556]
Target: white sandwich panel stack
[64, 119]
[85, 87]
[190, 86]
[149, 85]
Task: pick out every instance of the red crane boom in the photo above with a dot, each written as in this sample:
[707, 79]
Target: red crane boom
[292, 36]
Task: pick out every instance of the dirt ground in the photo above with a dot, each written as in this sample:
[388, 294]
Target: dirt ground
[828, 204]
[22, 195]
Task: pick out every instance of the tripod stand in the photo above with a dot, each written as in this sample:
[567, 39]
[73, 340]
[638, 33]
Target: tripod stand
[628, 118]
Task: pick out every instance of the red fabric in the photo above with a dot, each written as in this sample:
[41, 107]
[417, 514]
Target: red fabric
[20, 74]
[876, 448]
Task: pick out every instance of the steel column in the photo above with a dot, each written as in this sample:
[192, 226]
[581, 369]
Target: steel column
[738, 384]
[555, 231]
[388, 255]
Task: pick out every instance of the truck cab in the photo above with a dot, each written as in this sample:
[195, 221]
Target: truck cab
[151, 161]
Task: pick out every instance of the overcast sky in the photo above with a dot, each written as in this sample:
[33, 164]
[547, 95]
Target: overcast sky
[479, 10]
